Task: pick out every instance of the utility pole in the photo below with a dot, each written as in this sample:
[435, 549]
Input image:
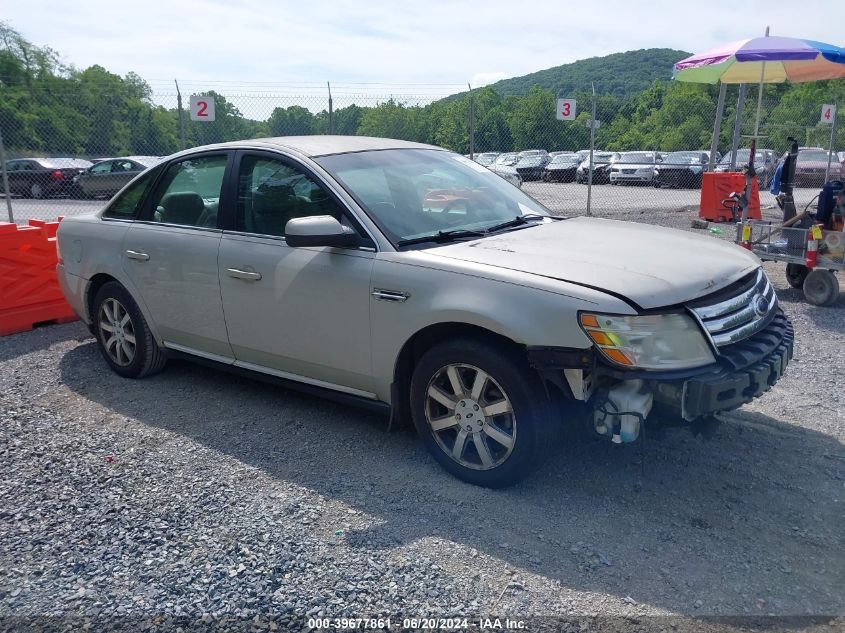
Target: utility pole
[6, 191]
[181, 120]
[740, 105]
[832, 139]
[471, 123]
[592, 149]
[717, 126]
[331, 111]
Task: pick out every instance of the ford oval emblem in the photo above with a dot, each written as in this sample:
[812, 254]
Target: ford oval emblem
[761, 306]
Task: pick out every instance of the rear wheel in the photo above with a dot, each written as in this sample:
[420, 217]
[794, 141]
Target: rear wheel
[36, 191]
[125, 339]
[480, 412]
[796, 274]
[821, 288]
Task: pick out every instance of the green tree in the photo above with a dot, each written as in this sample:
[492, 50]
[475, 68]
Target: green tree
[291, 121]
[348, 119]
[391, 120]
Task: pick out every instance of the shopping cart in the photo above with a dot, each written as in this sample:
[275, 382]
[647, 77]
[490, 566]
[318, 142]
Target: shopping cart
[812, 255]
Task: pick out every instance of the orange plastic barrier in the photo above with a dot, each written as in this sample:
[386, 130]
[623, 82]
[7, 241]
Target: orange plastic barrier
[718, 186]
[29, 288]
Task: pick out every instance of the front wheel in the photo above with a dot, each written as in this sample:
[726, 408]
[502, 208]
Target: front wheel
[125, 339]
[821, 288]
[480, 412]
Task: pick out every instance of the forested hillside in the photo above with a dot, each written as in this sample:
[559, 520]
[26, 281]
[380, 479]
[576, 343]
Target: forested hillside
[47, 108]
[620, 74]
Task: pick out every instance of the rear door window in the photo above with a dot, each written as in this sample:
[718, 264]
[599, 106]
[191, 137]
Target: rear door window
[189, 192]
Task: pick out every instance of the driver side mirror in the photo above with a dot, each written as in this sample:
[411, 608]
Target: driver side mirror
[319, 230]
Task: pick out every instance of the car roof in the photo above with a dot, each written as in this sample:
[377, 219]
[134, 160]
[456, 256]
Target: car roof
[57, 161]
[323, 145]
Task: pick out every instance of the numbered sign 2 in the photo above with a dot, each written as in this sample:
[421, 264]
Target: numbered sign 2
[565, 109]
[202, 108]
[828, 113]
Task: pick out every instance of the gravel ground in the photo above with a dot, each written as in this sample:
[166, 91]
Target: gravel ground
[200, 495]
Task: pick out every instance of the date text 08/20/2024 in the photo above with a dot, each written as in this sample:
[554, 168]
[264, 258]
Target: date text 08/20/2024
[444, 624]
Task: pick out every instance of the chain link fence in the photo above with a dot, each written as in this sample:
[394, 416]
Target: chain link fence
[650, 149]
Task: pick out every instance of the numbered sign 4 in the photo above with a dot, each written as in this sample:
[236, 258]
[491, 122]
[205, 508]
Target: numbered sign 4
[565, 109]
[828, 113]
[202, 108]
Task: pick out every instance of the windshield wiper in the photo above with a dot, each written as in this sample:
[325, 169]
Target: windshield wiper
[442, 236]
[519, 221]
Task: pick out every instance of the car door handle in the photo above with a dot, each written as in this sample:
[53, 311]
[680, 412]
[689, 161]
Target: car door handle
[243, 274]
[141, 257]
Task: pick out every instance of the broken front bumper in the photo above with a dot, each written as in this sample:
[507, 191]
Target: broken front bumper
[748, 369]
[743, 371]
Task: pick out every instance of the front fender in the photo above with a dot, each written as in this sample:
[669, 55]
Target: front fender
[523, 308]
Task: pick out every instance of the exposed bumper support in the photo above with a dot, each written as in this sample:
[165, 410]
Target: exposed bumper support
[744, 371]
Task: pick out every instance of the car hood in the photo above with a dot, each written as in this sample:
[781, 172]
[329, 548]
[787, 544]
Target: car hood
[650, 266]
[634, 165]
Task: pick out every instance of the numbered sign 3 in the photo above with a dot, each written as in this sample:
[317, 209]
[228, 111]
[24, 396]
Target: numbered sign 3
[202, 108]
[828, 113]
[565, 109]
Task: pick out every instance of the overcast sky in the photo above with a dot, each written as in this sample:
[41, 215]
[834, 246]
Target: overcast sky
[429, 41]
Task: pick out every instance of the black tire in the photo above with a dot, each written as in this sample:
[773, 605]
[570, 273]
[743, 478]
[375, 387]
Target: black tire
[796, 274]
[821, 288]
[527, 423]
[36, 191]
[148, 358]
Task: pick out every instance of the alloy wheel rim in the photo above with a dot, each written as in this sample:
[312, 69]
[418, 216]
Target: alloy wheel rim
[117, 332]
[470, 416]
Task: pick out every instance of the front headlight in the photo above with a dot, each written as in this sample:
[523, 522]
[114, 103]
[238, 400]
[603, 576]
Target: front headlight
[654, 341]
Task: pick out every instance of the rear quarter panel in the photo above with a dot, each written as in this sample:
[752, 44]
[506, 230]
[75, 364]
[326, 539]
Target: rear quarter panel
[91, 246]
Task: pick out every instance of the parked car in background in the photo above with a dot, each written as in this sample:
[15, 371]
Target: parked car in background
[486, 158]
[531, 164]
[411, 280]
[682, 169]
[561, 167]
[765, 164]
[109, 175]
[602, 162]
[812, 164]
[507, 172]
[633, 168]
[508, 158]
[43, 177]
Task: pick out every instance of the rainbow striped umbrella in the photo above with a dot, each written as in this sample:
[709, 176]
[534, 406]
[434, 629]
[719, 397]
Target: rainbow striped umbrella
[764, 60]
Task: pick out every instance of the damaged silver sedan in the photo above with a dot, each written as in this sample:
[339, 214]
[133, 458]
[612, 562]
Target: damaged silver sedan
[413, 280]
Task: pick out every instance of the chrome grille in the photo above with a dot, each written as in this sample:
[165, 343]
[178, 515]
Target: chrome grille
[741, 314]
